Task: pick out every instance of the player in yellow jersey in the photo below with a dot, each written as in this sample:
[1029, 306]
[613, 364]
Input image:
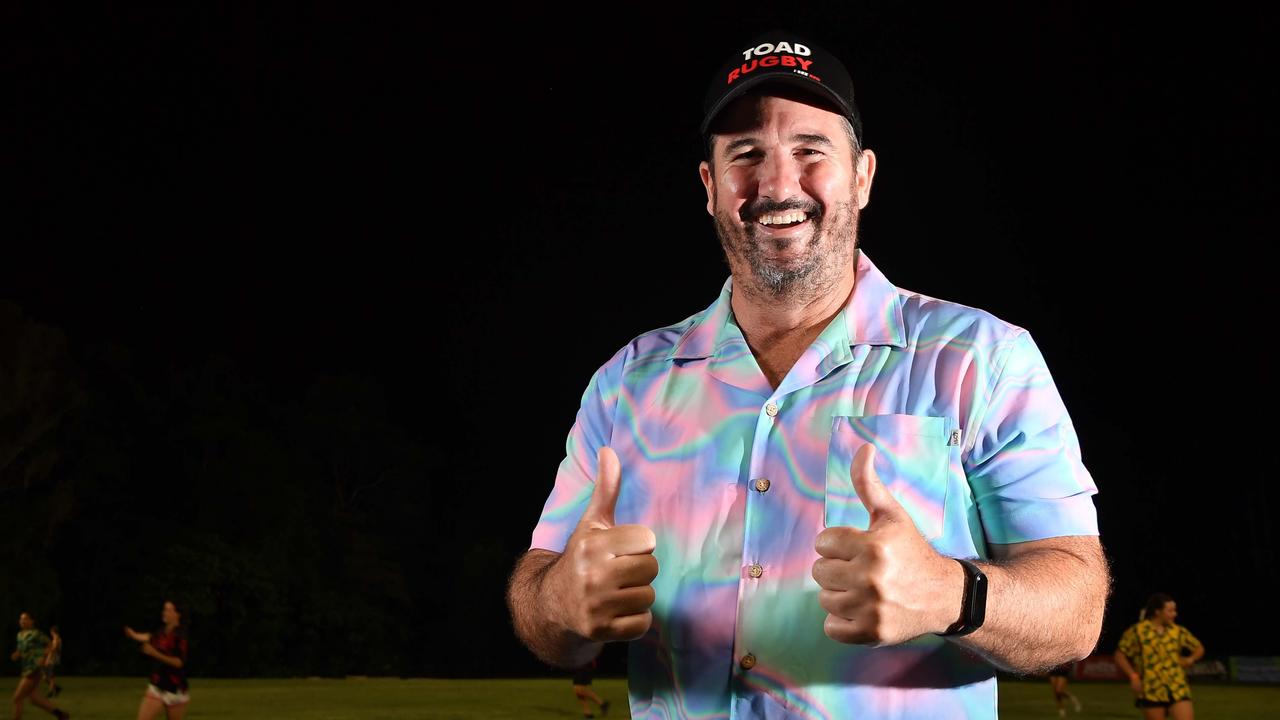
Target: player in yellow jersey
[1151, 654]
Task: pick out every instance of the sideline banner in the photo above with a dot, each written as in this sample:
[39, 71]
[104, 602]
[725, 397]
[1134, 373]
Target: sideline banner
[1099, 667]
[1255, 669]
[1207, 670]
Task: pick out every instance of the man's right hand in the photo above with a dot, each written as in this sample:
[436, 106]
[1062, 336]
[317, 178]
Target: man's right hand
[602, 580]
[1135, 683]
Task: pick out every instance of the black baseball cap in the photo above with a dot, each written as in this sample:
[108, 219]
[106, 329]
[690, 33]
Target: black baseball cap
[781, 56]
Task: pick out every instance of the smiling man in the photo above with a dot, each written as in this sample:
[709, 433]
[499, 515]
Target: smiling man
[823, 496]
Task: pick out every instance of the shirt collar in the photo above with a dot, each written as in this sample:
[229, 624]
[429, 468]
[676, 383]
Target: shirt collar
[873, 316]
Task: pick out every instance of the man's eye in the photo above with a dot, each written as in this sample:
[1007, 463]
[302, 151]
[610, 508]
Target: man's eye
[748, 155]
[809, 151]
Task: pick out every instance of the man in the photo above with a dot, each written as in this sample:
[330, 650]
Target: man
[771, 498]
[1151, 654]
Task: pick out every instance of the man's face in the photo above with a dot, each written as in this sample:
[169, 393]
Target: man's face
[785, 193]
[1168, 613]
[25, 622]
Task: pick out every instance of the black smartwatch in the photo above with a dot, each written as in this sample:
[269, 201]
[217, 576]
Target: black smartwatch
[974, 605]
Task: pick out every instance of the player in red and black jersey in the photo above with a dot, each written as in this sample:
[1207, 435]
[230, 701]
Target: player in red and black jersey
[167, 689]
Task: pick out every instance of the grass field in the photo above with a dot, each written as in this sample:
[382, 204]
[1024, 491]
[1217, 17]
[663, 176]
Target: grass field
[392, 699]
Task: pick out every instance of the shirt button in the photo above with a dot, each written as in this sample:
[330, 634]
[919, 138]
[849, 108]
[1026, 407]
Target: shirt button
[771, 409]
[762, 484]
[748, 661]
[755, 571]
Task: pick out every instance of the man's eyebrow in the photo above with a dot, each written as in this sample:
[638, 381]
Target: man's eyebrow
[812, 139]
[738, 145]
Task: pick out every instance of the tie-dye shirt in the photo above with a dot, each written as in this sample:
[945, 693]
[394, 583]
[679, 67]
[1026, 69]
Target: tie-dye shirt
[736, 479]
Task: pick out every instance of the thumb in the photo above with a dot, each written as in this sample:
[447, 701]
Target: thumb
[880, 504]
[605, 496]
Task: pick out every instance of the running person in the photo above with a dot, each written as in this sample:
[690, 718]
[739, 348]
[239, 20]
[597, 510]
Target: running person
[1058, 681]
[31, 652]
[582, 689]
[1150, 653]
[167, 689]
[53, 658]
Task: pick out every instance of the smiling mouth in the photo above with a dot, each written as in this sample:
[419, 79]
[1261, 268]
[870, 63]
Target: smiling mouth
[782, 220]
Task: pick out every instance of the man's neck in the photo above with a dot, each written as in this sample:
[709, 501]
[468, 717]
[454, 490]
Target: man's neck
[778, 331]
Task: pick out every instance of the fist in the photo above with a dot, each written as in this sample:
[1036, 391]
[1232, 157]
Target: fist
[603, 579]
[883, 585]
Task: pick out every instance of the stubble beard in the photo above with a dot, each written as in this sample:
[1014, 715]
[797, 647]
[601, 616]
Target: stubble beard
[829, 249]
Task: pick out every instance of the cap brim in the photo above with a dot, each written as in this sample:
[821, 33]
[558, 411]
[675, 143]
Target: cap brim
[813, 87]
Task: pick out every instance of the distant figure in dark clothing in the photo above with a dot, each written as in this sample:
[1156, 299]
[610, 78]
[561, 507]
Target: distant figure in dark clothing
[1058, 681]
[582, 689]
[167, 689]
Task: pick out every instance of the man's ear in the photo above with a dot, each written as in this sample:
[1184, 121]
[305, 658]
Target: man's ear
[709, 182]
[864, 173]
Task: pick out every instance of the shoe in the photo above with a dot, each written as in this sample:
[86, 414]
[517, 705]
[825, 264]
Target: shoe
[604, 708]
[61, 714]
[1062, 712]
[1076, 701]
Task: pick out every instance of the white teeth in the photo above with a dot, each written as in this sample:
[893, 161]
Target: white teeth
[790, 216]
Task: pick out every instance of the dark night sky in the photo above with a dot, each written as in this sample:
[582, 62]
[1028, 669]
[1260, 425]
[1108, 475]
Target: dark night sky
[479, 215]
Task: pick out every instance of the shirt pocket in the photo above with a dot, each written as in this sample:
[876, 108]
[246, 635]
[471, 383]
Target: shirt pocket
[912, 457]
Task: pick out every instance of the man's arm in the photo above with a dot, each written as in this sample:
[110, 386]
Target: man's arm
[566, 606]
[534, 617]
[1045, 601]
[886, 585]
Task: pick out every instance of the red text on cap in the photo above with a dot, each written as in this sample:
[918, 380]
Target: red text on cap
[770, 61]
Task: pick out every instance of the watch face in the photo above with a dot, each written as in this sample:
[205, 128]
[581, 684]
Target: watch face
[976, 599]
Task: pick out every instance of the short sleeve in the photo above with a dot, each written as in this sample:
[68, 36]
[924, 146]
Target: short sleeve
[1129, 645]
[1189, 641]
[575, 479]
[1025, 467]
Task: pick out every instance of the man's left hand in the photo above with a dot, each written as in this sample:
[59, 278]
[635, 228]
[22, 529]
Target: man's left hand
[883, 585]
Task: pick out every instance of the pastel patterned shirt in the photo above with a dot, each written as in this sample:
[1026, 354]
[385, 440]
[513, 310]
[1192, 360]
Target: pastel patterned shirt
[736, 479]
[1154, 656]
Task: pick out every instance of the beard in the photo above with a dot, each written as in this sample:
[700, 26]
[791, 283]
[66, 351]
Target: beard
[824, 252]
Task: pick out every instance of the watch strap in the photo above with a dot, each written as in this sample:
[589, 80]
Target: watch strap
[973, 609]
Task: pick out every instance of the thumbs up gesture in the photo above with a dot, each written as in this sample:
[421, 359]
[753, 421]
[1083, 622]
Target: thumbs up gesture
[886, 584]
[602, 579]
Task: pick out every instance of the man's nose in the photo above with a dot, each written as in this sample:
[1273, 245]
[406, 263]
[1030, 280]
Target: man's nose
[779, 177]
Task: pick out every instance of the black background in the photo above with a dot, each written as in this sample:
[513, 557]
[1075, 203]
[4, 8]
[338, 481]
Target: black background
[470, 211]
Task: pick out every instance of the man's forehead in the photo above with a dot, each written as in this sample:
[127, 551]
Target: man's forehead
[806, 116]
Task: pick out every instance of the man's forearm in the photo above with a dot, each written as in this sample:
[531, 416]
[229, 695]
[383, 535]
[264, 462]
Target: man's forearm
[1044, 605]
[534, 615]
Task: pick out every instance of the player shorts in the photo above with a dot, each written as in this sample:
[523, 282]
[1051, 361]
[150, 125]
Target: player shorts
[1145, 703]
[168, 698]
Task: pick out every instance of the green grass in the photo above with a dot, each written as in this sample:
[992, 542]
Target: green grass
[391, 699]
